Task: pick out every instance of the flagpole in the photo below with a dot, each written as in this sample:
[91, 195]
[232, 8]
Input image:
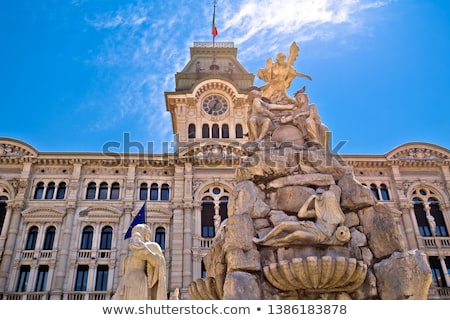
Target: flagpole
[214, 22]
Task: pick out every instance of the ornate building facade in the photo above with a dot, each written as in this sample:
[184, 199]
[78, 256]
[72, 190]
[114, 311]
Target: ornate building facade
[63, 216]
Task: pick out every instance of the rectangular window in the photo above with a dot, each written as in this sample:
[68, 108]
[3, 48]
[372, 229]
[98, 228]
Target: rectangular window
[24, 274]
[101, 281]
[41, 281]
[82, 277]
[436, 271]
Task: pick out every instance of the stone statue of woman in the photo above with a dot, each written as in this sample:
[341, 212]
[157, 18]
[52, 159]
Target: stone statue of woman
[143, 270]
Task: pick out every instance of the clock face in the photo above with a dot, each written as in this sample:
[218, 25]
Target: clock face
[215, 105]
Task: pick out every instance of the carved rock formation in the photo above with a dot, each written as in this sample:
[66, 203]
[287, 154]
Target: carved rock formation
[300, 226]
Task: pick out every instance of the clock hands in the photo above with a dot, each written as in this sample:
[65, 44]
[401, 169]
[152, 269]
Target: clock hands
[213, 108]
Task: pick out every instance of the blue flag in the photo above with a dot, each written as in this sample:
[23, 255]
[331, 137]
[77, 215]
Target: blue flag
[138, 219]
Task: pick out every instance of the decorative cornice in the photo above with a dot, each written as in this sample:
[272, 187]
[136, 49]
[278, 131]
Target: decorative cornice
[51, 213]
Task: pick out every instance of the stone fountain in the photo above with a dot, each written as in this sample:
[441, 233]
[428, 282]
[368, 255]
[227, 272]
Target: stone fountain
[300, 226]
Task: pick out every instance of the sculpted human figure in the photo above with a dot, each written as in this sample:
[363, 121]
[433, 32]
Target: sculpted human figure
[327, 214]
[143, 270]
[307, 119]
[260, 117]
[280, 74]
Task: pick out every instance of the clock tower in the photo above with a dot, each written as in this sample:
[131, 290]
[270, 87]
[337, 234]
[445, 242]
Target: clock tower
[209, 101]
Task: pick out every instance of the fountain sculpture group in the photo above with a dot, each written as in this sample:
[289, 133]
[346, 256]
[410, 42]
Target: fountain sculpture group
[300, 226]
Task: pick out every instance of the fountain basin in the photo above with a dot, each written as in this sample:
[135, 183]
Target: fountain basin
[317, 274]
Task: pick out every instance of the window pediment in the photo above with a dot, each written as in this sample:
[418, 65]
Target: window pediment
[12, 148]
[43, 213]
[418, 151]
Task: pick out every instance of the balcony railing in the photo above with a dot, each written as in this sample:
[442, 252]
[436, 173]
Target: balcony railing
[95, 254]
[26, 296]
[434, 242]
[37, 254]
[87, 295]
[439, 293]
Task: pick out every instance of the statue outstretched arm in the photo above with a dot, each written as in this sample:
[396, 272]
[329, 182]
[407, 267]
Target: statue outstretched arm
[304, 75]
[304, 212]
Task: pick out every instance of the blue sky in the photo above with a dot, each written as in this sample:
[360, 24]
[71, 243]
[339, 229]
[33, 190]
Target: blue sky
[75, 75]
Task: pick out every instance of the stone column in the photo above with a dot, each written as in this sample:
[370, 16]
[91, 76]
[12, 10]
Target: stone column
[187, 231]
[6, 223]
[67, 227]
[408, 224]
[178, 246]
[196, 228]
[32, 277]
[187, 245]
[63, 255]
[121, 244]
[91, 277]
[7, 258]
[444, 270]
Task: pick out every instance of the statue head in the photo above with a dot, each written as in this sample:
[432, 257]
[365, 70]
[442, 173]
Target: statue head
[301, 98]
[254, 94]
[281, 57]
[142, 230]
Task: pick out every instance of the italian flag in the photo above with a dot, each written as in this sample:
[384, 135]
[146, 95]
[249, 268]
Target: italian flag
[214, 28]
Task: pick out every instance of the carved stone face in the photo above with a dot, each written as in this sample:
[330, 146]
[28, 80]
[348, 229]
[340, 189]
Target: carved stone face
[281, 57]
[143, 230]
[302, 99]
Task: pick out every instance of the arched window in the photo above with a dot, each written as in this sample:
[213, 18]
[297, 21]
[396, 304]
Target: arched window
[215, 130]
[86, 238]
[103, 191]
[49, 238]
[41, 280]
[225, 131]
[154, 191]
[82, 278]
[165, 192]
[430, 219]
[106, 238]
[101, 280]
[3, 200]
[91, 190]
[435, 211]
[384, 192]
[115, 191]
[191, 131]
[207, 217]
[61, 193]
[143, 191]
[50, 191]
[31, 239]
[39, 190]
[160, 237]
[374, 189]
[22, 282]
[205, 131]
[239, 131]
[223, 208]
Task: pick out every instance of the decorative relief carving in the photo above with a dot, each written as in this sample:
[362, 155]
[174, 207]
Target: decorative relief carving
[418, 153]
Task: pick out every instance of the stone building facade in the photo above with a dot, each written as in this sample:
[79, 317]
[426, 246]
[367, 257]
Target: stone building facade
[63, 216]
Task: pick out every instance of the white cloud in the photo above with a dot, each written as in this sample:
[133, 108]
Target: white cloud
[272, 23]
[148, 42]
